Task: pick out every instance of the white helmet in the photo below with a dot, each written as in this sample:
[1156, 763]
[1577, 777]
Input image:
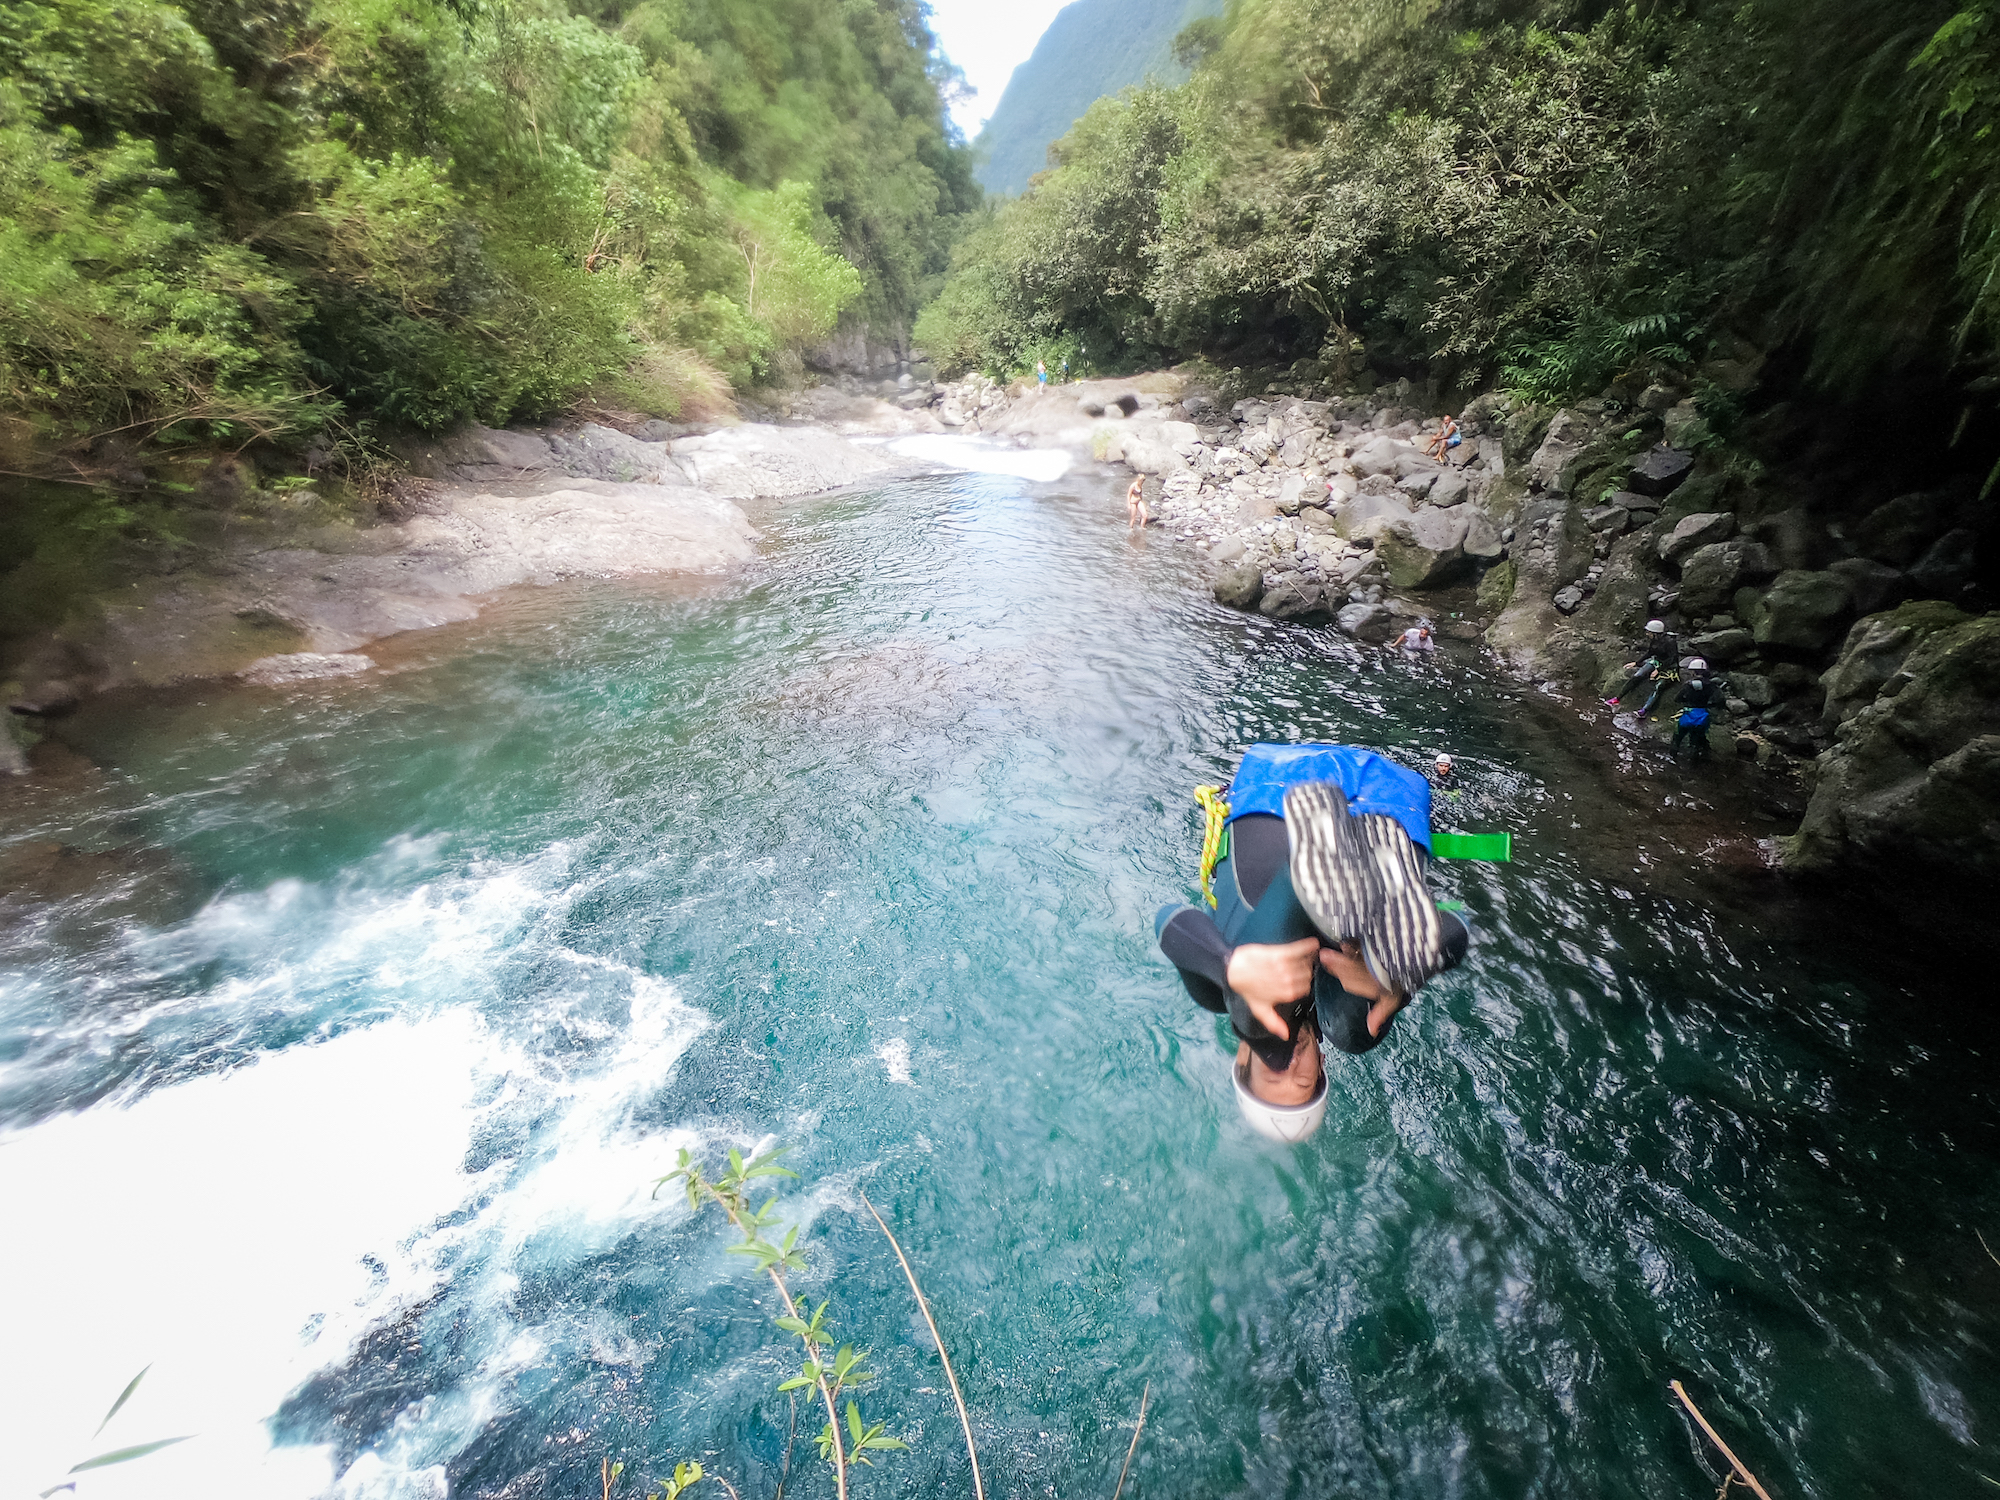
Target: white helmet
[1656, 627]
[1287, 1124]
[1696, 664]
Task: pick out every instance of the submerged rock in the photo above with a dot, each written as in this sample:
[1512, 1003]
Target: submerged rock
[304, 666]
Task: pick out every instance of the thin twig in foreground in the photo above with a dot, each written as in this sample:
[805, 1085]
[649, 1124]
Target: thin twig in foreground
[1987, 1248]
[1143, 1396]
[785, 1474]
[924, 1306]
[727, 1486]
[1716, 1438]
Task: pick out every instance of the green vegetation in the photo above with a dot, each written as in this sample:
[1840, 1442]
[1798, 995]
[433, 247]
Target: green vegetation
[1092, 48]
[828, 1371]
[222, 220]
[1550, 194]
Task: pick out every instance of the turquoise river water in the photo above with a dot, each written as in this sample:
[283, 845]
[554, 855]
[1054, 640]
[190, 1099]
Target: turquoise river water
[340, 1109]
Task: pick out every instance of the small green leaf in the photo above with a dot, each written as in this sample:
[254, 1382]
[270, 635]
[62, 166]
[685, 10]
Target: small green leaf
[797, 1382]
[792, 1325]
[854, 1421]
[126, 1455]
[126, 1395]
[896, 1444]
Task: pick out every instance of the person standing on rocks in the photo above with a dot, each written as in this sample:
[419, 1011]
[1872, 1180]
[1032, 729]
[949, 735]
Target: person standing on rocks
[1135, 503]
[1698, 695]
[1042, 374]
[1660, 666]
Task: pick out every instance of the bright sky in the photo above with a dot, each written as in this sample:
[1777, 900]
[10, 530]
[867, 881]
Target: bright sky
[988, 41]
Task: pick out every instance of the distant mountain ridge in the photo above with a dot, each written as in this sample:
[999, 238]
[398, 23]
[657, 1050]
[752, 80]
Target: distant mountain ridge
[1092, 48]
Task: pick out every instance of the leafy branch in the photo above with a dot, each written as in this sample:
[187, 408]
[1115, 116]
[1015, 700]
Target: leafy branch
[825, 1368]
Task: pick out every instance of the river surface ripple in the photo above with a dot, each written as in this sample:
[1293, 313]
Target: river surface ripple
[343, 1111]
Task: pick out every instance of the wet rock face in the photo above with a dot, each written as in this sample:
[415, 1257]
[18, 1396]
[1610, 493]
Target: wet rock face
[1915, 777]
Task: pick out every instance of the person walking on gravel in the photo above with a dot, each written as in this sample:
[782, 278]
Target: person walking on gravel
[1135, 503]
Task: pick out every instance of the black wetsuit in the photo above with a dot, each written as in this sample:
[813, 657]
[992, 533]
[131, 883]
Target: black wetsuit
[1698, 693]
[1662, 667]
[1255, 904]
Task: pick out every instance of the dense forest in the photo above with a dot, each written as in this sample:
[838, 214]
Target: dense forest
[1541, 193]
[281, 218]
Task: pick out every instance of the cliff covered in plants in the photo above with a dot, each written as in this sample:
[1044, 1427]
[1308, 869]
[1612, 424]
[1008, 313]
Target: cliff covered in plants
[226, 219]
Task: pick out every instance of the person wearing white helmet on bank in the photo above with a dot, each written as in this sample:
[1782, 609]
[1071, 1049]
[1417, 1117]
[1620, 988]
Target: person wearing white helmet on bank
[1322, 928]
[1660, 666]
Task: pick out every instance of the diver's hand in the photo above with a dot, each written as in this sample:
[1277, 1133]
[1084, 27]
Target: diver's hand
[1345, 964]
[1268, 975]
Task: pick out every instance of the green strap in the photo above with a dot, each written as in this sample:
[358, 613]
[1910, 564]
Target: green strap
[1493, 846]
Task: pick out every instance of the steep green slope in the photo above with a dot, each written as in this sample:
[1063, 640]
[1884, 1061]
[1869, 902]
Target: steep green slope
[1092, 48]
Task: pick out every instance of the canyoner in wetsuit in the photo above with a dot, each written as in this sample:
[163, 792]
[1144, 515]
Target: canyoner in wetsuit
[1322, 928]
[1660, 667]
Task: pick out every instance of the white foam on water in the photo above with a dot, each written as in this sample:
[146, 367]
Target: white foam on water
[239, 1232]
[216, 1232]
[983, 455]
[895, 1055]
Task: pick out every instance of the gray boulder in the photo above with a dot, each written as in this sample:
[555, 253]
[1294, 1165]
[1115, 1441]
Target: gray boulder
[1240, 586]
[1875, 650]
[1418, 484]
[1379, 457]
[1373, 623]
[1690, 532]
[1946, 566]
[1755, 689]
[1897, 531]
[1659, 471]
[1802, 611]
[1356, 517]
[1569, 599]
[1228, 549]
[1482, 537]
[1291, 598]
[1721, 647]
[1564, 439]
[1914, 780]
[1450, 488]
[1876, 586]
[1710, 576]
[1425, 551]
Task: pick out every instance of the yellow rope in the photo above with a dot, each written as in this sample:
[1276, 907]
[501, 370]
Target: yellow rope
[1217, 811]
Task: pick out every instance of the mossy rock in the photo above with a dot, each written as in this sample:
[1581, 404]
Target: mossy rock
[1496, 589]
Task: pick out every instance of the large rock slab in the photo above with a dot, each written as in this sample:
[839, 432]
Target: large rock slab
[1802, 611]
[1701, 530]
[1660, 470]
[1875, 650]
[351, 587]
[1711, 575]
[756, 461]
[1427, 550]
[593, 451]
[1914, 780]
[1373, 623]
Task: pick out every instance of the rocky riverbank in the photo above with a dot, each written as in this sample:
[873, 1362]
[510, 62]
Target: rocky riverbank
[277, 586]
[1851, 622]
